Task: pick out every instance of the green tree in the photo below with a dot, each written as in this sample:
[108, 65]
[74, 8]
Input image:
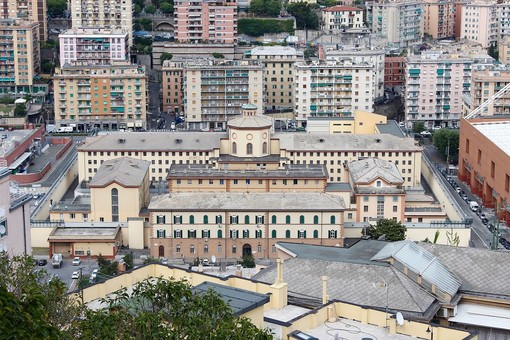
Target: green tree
[150, 9]
[248, 261]
[217, 55]
[392, 230]
[327, 3]
[305, 15]
[137, 10]
[56, 8]
[265, 8]
[129, 260]
[106, 267]
[447, 143]
[20, 110]
[167, 309]
[419, 127]
[165, 56]
[166, 7]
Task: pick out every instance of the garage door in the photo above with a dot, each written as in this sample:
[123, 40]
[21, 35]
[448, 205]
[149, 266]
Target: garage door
[62, 248]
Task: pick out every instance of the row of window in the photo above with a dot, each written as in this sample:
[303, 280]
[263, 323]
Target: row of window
[234, 219]
[247, 181]
[161, 233]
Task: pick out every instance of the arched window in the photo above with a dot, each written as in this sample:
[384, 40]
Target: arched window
[249, 149]
[220, 248]
[234, 249]
[246, 219]
[315, 234]
[178, 248]
[302, 219]
[191, 219]
[287, 219]
[332, 219]
[273, 234]
[220, 233]
[206, 249]
[259, 248]
[273, 219]
[206, 219]
[115, 205]
[264, 147]
[192, 249]
[287, 233]
[234, 148]
[316, 219]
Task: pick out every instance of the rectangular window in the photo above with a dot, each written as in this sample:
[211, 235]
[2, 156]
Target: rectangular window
[365, 198]
[160, 219]
[301, 233]
[507, 183]
[218, 219]
[395, 208]
[234, 219]
[177, 219]
[479, 157]
[222, 181]
[365, 208]
[259, 219]
[160, 233]
[493, 169]
[177, 233]
[467, 146]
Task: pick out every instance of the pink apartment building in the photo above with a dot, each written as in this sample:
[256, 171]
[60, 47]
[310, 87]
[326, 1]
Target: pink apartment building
[212, 21]
[439, 18]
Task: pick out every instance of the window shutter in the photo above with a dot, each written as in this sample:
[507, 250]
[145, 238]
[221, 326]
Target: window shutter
[304, 233]
[202, 234]
[175, 233]
[189, 234]
[231, 219]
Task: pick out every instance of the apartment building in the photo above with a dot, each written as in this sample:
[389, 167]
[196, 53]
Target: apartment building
[339, 17]
[504, 50]
[479, 22]
[20, 59]
[394, 71]
[332, 88]
[103, 14]
[210, 21]
[399, 22]
[30, 10]
[172, 85]
[435, 84]
[372, 56]
[487, 82]
[104, 96]
[93, 46]
[216, 90]
[439, 18]
[278, 63]
[503, 13]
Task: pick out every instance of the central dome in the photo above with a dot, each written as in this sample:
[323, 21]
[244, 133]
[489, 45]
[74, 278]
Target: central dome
[250, 120]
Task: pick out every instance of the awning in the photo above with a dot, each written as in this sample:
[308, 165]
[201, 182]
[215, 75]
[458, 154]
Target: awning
[139, 123]
[20, 161]
[480, 315]
[131, 124]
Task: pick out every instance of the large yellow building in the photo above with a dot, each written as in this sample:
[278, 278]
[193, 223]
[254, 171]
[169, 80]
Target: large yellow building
[103, 96]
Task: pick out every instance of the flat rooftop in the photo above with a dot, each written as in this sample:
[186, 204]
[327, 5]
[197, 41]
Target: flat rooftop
[103, 233]
[12, 140]
[497, 132]
[284, 201]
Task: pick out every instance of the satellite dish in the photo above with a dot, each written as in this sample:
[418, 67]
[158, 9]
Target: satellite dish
[213, 259]
[400, 319]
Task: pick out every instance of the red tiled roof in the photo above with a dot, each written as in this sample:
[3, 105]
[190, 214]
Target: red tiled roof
[342, 9]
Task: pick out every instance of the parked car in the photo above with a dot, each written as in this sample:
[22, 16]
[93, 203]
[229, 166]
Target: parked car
[164, 261]
[93, 275]
[76, 261]
[42, 262]
[458, 189]
[205, 262]
[485, 221]
[425, 133]
[75, 275]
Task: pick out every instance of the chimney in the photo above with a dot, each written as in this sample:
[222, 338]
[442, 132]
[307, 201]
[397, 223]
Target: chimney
[279, 271]
[324, 290]
[321, 52]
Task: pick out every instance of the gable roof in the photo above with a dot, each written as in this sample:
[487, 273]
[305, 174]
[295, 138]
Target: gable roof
[369, 169]
[340, 8]
[125, 171]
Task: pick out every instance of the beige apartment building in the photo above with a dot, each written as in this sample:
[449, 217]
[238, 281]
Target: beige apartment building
[31, 10]
[278, 63]
[103, 14]
[215, 90]
[20, 59]
[484, 84]
[439, 18]
[172, 85]
[337, 18]
[103, 96]
[479, 22]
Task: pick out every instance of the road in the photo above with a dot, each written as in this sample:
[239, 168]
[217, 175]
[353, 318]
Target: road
[67, 270]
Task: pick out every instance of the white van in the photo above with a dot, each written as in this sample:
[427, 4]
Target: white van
[473, 205]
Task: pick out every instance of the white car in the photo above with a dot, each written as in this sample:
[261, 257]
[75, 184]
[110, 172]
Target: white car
[425, 133]
[76, 275]
[93, 275]
[76, 261]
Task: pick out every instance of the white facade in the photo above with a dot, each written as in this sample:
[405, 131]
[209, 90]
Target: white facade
[342, 17]
[479, 22]
[332, 88]
[93, 46]
[399, 22]
[373, 57]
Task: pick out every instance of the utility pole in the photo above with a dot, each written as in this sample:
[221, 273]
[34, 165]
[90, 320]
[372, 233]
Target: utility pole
[448, 154]
[495, 232]
[80, 285]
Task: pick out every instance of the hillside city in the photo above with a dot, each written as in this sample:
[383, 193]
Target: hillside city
[329, 169]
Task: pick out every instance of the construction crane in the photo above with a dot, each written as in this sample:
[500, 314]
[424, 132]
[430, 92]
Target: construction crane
[476, 112]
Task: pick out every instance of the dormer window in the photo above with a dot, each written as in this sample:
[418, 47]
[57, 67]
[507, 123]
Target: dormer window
[378, 184]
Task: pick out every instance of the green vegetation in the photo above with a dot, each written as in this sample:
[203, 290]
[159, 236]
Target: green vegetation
[7, 100]
[248, 261]
[166, 7]
[142, 45]
[265, 8]
[217, 55]
[56, 8]
[440, 141]
[142, 24]
[306, 16]
[390, 229]
[419, 127]
[165, 56]
[151, 9]
[20, 110]
[5, 109]
[310, 52]
[106, 267]
[257, 27]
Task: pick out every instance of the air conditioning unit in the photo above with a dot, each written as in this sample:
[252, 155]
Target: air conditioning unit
[442, 313]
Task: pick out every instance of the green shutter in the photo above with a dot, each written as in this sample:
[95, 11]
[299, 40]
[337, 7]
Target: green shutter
[273, 234]
[315, 234]
[220, 233]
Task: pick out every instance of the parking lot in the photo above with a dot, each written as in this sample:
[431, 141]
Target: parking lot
[65, 272]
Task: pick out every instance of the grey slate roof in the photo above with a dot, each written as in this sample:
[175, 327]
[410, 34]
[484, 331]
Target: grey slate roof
[241, 301]
[481, 271]
[271, 201]
[128, 172]
[369, 169]
[338, 187]
[251, 121]
[390, 128]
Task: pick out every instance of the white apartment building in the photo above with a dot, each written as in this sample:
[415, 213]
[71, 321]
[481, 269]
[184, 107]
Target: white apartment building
[100, 14]
[332, 89]
[487, 82]
[215, 90]
[400, 22]
[93, 46]
[342, 17]
[435, 84]
[479, 22]
[278, 62]
[373, 56]
[503, 13]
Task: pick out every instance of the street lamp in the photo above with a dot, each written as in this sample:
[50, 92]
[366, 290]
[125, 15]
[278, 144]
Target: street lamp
[384, 285]
[431, 331]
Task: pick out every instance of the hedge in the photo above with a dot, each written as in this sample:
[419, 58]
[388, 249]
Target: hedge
[258, 27]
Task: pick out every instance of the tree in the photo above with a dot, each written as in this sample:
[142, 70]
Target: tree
[419, 127]
[159, 308]
[129, 260]
[447, 143]
[20, 110]
[56, 8]
[327, 3]
[165, 56]
[166, 7]
[305, 15]
[150, 9]
[392, 230]
[106, 267]
[265, 8]
[217, 55]
[137, 10]
[248, 261]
